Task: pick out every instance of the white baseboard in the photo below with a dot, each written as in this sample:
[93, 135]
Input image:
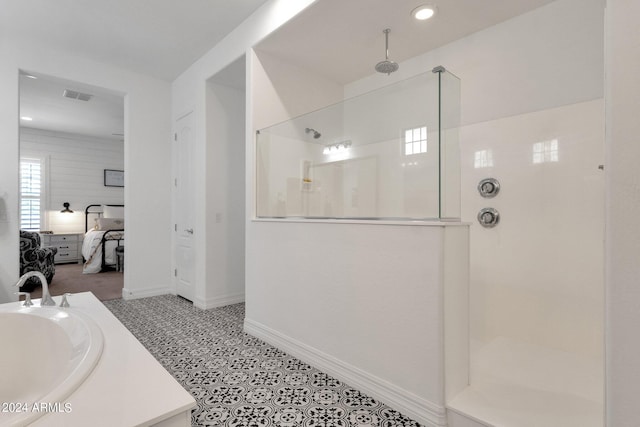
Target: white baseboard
[423, 411]
[143, 293]
[220, 301]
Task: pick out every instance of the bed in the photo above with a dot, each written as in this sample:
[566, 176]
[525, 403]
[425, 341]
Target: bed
[104, 232]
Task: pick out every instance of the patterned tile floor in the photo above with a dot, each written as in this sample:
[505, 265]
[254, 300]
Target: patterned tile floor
[238, 380]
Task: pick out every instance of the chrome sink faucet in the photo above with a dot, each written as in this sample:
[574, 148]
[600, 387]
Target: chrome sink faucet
[46, 297]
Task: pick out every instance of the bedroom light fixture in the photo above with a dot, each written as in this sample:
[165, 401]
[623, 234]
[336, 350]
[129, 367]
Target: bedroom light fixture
[66, 208]
[26, 118]
[423, 12]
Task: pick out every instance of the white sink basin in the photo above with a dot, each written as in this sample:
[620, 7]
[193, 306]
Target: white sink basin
[47, 352]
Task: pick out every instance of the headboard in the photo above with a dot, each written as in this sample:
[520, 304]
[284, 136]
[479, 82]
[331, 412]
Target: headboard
[95, 210]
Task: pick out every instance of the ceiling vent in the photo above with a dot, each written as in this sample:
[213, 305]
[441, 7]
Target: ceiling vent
[68, 93]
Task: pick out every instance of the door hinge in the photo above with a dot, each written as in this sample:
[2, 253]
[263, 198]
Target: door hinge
[175, 272]
[175, 227]
[175, 136]
[175, 182]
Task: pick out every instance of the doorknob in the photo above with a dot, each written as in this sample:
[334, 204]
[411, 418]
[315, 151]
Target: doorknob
[189, 230]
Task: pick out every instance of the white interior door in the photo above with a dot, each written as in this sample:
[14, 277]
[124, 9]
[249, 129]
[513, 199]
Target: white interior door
[185, 207]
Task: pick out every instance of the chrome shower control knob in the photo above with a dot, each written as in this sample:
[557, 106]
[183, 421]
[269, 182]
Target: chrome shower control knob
[489, 187]
[488, 217]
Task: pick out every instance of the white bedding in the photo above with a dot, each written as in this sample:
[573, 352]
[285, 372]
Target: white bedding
[92, 250]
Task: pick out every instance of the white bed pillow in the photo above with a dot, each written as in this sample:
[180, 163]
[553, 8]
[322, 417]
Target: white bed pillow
[109, 211]
[110, 224]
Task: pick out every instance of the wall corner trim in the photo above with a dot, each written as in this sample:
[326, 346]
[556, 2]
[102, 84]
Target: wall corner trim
[425, 412]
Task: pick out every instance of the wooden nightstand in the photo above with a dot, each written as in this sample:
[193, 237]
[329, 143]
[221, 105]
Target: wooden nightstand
[69, 246]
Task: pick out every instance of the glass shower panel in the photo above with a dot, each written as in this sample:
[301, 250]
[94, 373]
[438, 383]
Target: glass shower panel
[374, 156]
[450, 147]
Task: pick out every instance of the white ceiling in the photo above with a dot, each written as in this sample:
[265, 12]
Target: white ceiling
[160, 38]
[42, 100]
[339, 39]
[343, 40]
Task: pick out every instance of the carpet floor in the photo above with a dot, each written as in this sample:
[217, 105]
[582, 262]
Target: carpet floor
[69, 278]
[239, 380]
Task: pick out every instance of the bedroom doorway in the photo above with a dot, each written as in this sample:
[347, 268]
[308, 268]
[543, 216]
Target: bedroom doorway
[70, 133]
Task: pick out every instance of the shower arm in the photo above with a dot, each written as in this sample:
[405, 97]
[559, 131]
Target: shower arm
[386, 44]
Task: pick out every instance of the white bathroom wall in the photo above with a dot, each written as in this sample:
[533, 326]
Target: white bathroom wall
[189, 93]
[75, 173]
[281, 90]
[361, 301]
[9, 170]
[147, 161]
[623, 210]
[225, 195]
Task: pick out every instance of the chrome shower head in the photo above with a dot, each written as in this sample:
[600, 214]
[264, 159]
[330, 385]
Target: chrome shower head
[316, 134]
[387, 67]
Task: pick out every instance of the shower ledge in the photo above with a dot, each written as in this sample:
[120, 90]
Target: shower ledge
[127, 386]
[556, 388]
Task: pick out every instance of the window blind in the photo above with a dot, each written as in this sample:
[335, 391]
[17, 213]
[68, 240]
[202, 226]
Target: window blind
[30, 194]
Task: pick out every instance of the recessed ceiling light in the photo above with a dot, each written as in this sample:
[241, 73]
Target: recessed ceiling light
[423, 12]
[26, 119]
[31, 77]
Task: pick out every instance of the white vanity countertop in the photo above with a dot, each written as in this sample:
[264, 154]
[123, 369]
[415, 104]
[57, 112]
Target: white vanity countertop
[127, 387]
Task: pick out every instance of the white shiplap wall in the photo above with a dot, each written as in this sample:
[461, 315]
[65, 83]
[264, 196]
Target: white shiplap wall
[74, 173]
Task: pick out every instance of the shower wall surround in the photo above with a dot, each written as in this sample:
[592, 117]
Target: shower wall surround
[536, 286]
